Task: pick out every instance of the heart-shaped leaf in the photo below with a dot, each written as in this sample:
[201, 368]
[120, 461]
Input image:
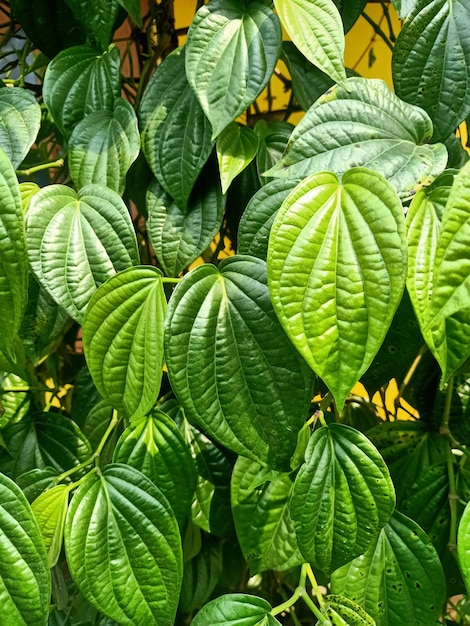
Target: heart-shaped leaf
[103, 146]
[50, 509]
[20, 118]
[316, 28]
[236, 608]
[226, 353]
[343, 495]
[364, 124]
[236, 148]
[176, 135]
[77, 241]
[431, 62]
[399, 580]
[130, 566]
[123, 339]
[25, 584]
[79, 81]
[98, 18]
[231, 52]
[334, 292]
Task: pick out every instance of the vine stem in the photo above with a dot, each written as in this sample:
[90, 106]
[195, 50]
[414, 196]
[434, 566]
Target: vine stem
[377, 30]
[301, 592]
[453, 495]
[42, 166]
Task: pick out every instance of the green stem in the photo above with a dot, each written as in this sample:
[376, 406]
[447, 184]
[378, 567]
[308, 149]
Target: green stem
[301, 592]
[173, 281]
[315, 586]
[42, 166]
[453, 495]
[377, 30]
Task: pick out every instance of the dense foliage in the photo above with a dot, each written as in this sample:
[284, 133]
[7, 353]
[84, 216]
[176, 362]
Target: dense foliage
[191, 289]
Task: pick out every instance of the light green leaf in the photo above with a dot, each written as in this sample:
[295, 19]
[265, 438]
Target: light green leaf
[431, 62]
[176, 135]
[262, 519]
[399, 580]
[20, 119]
[231, 52]
[236, 148]
[123, 339]
[403, 7]
[178, 237]
[343, 495]
[25, 585]
[343, 612]
[130, 566]
[77, 241]
[79, 81]
[226, 354]
[364, 124]
[98, 17]
[103, 146]
[13, 258]
[463, 545]
[236, 608]
[27, 191]
[316, 28]
[50, 509]
[336, 292]
[155, 447]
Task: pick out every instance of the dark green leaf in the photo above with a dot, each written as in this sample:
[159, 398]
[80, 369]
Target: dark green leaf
[133, 8]
[236, 608]
[96, 422]
[34, 482]
[273, 140]
[98, 18]
[201, 575]
[20, 118]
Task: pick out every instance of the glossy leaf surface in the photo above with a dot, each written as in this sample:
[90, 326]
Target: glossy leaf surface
[123, 339]
[20, 118]
[236, 608]
[236, 148]
[335, 291]
[97, 16]
[50, 509]
[343, 612]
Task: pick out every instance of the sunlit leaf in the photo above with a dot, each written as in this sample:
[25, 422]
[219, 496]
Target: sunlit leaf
[20, 118]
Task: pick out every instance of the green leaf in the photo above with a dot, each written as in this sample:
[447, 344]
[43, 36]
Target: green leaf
[96, 422]
[343, 612]
[130, 566]
[399, 580]
[103, 146]
[77, 241]
[262, 519]
[336, 292]
[133, 8]
[226, 354]
[343, 495]
[316, 28]
[364, 124]
[25, 585]
[98, 18]
[237, 146]
[350, 11]
[176, 135]
[79, 81]
[403, 7]
[201, 575]
[50, 509]
[236, 608]
[123, 339]
[273, 140]
[156, 448]
[27, 191]
[16, 398]
[13, 258]
[463, 545]
[179, 237]
[34, 482]
[431, 62]
[231, 52]
[20, 119]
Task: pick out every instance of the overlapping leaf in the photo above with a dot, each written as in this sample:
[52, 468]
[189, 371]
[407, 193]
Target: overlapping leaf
[316, 28]
[133, 8]
[236, 608]
[79, 81]
[364, 124]
[20, 118]
[231, 365]
[98, 18]
[431, 62]
[463, 545]
[50, 509]
[341, 611]
[123, 339]
[130, 566]
[336, 264]
[103, 146]
[25, 585]
[273, 139]
[399, 580]
[232, 50]
[176, 135]
[237, 146]
[342, 497]
[77, 241]
[201, 574]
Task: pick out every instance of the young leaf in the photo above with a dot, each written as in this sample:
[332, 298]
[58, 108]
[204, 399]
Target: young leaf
[25, 584]
[399, 580]
[79, 81]
[226, 354]
[123, 339]
[20, 119]
[343, 495]
[364, 124]
[103, 146]
[316, 28]
[176, 135]
[336, 292]
[50, 509]
[156, 448]
[342, 611]
[130, 566]
[231, 52]
[431, 62]
[236, 148]
[98, 18]
[236, 608]
[77, 241]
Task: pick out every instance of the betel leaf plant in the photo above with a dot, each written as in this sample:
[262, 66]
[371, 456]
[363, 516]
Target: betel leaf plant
[234, 351]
